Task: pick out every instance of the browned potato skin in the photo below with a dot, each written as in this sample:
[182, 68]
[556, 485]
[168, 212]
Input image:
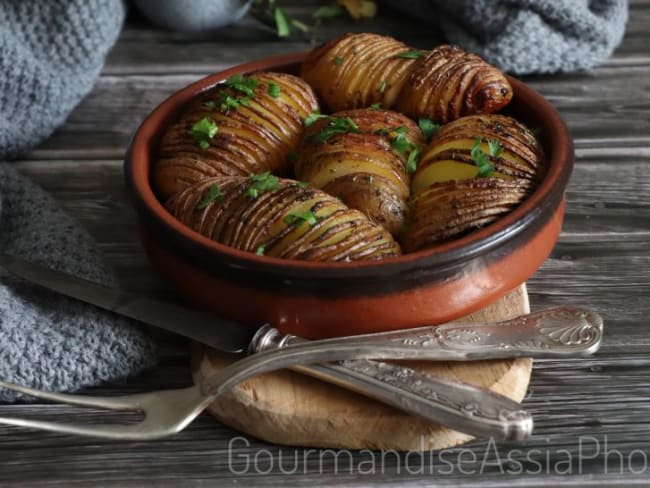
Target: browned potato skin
[246, 223]
[362, 169]
[448, 210]
[367, 71]
[250, 139]
[449, 83]
[522, 158]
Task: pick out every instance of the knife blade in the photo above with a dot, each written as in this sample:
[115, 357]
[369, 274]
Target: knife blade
[218, 332]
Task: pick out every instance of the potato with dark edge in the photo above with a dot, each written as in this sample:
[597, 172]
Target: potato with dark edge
[281, 218]
[249, 124]
[451, 197]
[449, 83]
[361, 156]
[357, 70]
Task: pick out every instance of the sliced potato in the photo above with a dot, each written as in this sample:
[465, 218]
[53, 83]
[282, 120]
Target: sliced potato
[361, 157]
[449, 83]
[449, 155]
[357, 70]
[449, 209]
[247, 125]
[281, 218]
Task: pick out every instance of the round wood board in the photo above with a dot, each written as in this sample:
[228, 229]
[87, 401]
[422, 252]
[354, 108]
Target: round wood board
[288, 408]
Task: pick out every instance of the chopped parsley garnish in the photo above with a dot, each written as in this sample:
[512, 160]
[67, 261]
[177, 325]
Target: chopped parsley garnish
[226, 102]
[298, 218]
[243, 84]
[213, 195]
[335, 125]
[204, 131]
[313, 117]
[328, 11]
[261, 183]
[412, 54]
[282, 22]
[338, 60]
[428, 127]
[482, 160]
[495, 148]
[402, 145]
[413, 159]
[260, 250]
[382, 86]
[274, 89]
[375, 106]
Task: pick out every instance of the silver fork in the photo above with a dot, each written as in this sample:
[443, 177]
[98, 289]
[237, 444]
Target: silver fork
[482, 413]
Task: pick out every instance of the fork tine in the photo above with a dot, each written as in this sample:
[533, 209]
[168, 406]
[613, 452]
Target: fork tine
[108, 403]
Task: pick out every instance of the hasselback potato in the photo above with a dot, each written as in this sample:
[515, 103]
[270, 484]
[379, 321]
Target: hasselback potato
[362, 157]
[475, 170]
[448, 83]
[249, 124]
[357, 70]
[281, 218]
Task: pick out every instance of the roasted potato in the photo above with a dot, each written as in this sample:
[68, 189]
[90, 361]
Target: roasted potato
[449, 209]
[509, 146]
[448, 83]
[249, 124]
[475, 170]
[281, 218]
[362, 157]
[357, 70]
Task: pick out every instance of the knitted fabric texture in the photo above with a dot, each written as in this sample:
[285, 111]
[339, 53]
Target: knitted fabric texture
[50, 55]
[527, 36]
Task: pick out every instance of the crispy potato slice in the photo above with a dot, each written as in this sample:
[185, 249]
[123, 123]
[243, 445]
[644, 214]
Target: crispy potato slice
[361, 156]
[281, 218]
[257, 122]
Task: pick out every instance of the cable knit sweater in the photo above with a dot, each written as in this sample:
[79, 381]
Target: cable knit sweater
[51, 52]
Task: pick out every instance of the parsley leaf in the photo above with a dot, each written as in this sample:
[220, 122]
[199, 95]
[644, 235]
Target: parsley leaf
[482, 161]
[382, 86]
[412, 54]
[413, 159]
[261, 183]
[375, 106]
[260, 250]
[226, 102]
[274, 89]
[428, 127]
[338, 60]
[313, 117]
[298, 218]
[213, 195]
[282, 22]
[336, 125]
[495, 148]
[244, 84]
[328, 11]
[204, 131]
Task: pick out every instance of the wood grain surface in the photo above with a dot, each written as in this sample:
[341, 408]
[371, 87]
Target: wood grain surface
[592, 415]
[292, 409]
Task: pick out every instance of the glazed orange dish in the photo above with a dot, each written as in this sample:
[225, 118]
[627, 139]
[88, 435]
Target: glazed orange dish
[375, 150]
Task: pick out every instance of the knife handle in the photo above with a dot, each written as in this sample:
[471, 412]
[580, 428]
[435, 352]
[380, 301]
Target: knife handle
[551, 333]
[460, 406]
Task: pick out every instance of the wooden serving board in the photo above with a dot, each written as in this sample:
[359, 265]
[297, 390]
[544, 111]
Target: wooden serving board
[288, 408]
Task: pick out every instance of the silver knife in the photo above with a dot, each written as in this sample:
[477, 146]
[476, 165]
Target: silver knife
[553, 333]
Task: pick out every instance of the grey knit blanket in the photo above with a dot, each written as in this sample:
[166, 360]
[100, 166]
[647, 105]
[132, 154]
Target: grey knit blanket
[527, 36]
[51, 52]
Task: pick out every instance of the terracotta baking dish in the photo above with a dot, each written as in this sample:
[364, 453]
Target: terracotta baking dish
[329, 299]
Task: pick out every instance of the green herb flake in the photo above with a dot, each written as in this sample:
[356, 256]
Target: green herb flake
[300, 217]
[244, 84]
[328, 11]
[428, 127]
[400, 143]
[260, 250]
[261, 183]
[338, 60]
[213, 195]
[282, 22]
[274, 89]
[413, 159]
[382, 86]
[482, 160]
[336, 125]
[375, 106]
[226, 102]
[411, 54]
[495, 148]
[313, 117]
[204, 131]
[211, 104]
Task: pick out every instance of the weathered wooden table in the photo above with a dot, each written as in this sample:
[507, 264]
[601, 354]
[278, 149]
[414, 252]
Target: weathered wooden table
[592, 416]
